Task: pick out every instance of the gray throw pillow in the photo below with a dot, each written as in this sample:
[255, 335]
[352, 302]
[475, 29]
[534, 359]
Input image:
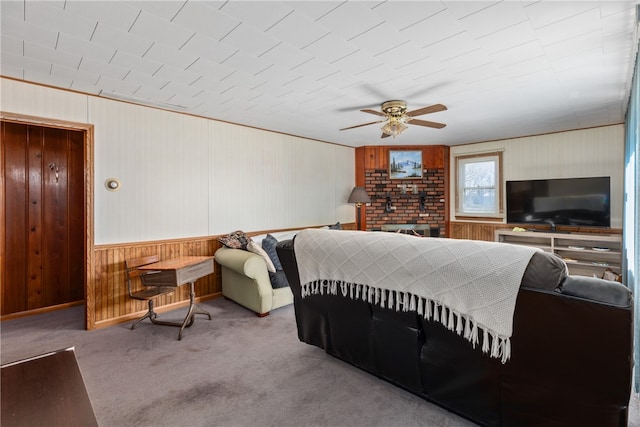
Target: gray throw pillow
[545, 271]
[278, 279]
[269, 244]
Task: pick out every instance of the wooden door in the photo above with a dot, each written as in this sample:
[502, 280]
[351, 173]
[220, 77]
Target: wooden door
[43, 171]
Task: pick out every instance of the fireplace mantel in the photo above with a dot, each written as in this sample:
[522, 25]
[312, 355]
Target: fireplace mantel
[421, 229]
[401, 227]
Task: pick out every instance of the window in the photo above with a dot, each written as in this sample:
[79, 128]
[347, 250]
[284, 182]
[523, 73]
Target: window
[479, 185]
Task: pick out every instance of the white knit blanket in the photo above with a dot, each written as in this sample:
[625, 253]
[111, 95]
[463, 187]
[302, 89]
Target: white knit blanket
[469, 286]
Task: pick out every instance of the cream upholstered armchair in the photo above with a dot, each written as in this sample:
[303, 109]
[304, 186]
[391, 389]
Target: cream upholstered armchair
[246, 278]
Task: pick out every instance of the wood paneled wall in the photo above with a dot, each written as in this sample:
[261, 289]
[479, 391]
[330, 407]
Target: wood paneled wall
[112, 302]
[377, 157]
[474, 230]
[486, 231]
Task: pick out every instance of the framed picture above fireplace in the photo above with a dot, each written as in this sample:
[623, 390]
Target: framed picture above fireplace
[405, 164]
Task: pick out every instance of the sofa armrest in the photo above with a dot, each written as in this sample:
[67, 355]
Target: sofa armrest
[245, 263]
[599, 290]
[287, 257]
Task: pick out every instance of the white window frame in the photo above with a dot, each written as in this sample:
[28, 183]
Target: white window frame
[497, 212]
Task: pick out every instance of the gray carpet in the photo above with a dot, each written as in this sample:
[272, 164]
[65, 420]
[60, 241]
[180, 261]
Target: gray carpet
[235, 370]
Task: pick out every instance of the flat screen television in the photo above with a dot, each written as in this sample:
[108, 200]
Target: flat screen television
[568, 201]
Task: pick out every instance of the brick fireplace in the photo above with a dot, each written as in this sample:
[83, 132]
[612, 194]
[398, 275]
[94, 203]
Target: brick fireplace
[415, 201]
[404, 201]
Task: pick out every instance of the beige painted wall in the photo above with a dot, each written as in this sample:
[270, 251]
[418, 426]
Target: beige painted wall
[574, 154]
[184, 176]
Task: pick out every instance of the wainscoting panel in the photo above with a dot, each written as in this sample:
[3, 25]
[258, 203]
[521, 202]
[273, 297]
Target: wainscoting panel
[474, 230]
[112, 302]
[486, 231]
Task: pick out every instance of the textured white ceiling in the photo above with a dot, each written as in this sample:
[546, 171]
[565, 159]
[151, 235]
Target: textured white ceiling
[503, 69]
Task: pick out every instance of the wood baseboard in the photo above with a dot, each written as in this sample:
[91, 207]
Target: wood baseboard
[39, 310]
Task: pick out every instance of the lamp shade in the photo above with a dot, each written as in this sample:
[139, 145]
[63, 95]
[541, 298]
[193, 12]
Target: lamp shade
[359, 195]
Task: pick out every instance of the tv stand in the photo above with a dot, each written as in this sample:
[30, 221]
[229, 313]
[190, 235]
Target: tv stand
[586, 254]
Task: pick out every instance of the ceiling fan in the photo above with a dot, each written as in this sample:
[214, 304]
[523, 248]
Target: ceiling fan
[396, 117]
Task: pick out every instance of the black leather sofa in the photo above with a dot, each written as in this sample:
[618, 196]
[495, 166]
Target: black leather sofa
[571, 350]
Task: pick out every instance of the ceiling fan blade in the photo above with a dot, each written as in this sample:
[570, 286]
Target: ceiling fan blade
[426, 110]
[357, 107]
[377, 113]
[385, 135]
[428, 90]
[369, 89]
[427, 123]
[364, 124]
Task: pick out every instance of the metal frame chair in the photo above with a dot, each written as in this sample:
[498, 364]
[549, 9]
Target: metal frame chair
[148, 293]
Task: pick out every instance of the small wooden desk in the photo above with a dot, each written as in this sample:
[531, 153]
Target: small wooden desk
[177, 272]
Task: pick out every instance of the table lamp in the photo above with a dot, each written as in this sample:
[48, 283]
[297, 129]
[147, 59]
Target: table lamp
[359, 196]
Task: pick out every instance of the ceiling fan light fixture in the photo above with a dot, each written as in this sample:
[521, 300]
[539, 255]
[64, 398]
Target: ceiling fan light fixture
[394, 128]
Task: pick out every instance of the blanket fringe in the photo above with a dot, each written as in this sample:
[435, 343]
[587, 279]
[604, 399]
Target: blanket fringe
[493, 344]
[458, 324]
